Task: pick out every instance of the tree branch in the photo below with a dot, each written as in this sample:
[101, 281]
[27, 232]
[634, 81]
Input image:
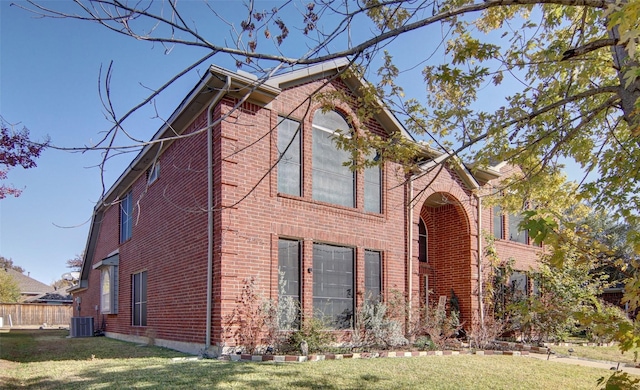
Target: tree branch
[589, 47]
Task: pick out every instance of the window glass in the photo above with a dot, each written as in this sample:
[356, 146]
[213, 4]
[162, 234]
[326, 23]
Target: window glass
[333, 182]
[515, 234]
[288, 284]
[333, 285]
[498, 227]
[372, 276]
[154, 172]
[373, 189]
[126, 217]
[105, 303]
[422, 242]
[139, 299]
[289, 165]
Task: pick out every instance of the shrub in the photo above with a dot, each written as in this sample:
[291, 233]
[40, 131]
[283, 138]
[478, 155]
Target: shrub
[314, 332]
[376, 328]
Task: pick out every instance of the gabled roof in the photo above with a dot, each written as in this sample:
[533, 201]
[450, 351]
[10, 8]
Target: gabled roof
[27, 285]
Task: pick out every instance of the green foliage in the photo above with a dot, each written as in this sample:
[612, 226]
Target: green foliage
[619, 380]
[9, 290]
[424, 343]
[315, 333]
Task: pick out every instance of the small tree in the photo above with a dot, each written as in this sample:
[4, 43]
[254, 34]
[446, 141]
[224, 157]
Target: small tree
[16, 149]
[9, 290]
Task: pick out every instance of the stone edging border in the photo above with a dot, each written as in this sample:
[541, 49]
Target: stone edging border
[364, 355]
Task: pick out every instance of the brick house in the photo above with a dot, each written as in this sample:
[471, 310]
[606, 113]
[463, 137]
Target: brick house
[174, 238]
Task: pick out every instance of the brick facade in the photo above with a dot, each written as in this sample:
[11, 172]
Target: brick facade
[169, 239]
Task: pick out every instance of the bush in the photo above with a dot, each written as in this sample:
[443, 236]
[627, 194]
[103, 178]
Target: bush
[424, 343]
[314, 332]
[378, 329]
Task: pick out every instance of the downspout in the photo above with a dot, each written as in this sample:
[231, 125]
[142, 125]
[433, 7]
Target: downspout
[215, 101]
[480, 284]
[410, 251]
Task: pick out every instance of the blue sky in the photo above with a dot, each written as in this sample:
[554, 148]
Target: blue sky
[49, 72]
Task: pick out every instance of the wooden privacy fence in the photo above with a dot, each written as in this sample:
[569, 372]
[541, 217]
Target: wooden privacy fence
[33, 314]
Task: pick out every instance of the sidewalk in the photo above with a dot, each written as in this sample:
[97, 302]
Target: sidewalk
[588, 363]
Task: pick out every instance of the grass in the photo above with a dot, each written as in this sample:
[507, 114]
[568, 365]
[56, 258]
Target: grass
[609, 354]
[48, 360]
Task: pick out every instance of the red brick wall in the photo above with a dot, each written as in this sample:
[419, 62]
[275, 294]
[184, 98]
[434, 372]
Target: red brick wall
[168, 241]
[169, 238]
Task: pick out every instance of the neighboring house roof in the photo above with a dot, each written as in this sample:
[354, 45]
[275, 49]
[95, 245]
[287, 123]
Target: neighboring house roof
[28, 286]
[52, 298]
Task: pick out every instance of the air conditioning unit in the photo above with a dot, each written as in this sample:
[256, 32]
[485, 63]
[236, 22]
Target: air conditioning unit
[81, 327]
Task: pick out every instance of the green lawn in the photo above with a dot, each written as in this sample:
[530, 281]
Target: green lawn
[610, 354]
[48, 360]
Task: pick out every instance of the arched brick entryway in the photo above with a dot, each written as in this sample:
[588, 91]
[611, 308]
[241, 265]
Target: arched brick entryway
[446, 265]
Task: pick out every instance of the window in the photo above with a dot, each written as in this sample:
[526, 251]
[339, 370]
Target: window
[372, 276]
[105, 301]
[519, 285]
[498, 226]
[139, 287]
[288, 284]
[154, 173]
[333, 284]
[290, 163]
[126, 217]
[333, 182]
[422, 242]
[373, 188]
[515, 234]
[108, 283]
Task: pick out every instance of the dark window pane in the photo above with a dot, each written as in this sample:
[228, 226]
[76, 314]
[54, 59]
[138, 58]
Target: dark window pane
[289, 166]
[498, 228]
[422, 242]
[372, 275]
[139, 306]
[333, 284]
[126, 217]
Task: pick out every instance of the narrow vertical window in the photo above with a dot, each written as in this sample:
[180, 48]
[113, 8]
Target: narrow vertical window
[498, 226]
[515, 233]
[126, 217]
[373, 189]
[372, 276]
[333, 284]
[333, 181]
[154, 173]
[290, 161]
[139, 287]
[288, 284]
[105, 301]
[423, 255]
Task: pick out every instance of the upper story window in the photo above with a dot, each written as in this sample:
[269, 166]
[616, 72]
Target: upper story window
[498, 223]
[373, 188]
[126, 217]
[333, 182]
[154, 173]
[515, 233]
[290, 161]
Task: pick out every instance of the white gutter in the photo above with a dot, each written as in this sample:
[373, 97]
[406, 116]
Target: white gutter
[215, 101]
[410, 249]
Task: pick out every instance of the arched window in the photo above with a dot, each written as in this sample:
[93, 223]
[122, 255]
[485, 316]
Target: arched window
[422, 242]
[333, 181]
